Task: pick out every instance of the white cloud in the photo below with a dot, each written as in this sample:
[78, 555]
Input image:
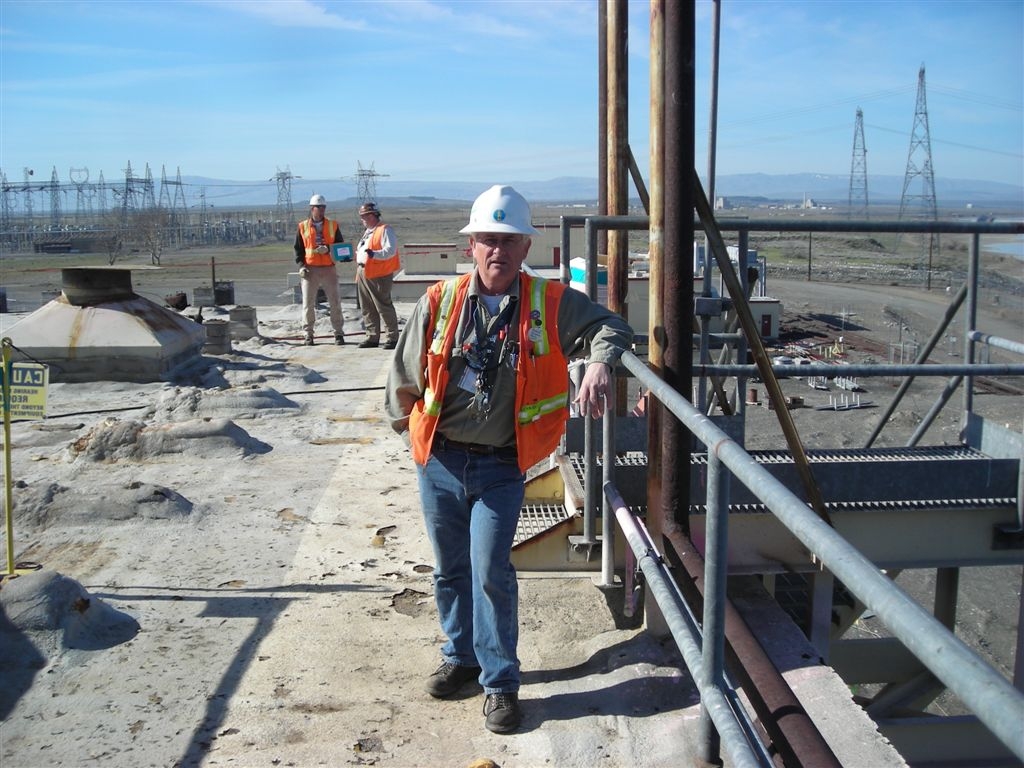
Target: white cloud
[292, 13]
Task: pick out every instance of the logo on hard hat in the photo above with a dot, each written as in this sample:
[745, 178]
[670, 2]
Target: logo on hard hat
[499, 215]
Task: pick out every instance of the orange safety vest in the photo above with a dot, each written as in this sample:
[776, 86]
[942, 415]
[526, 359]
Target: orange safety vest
[380, 267]
[542, 380]
[331, 235]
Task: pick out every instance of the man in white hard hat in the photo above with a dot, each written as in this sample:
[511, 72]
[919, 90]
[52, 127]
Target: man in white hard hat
[378, 261]
[479, 389]
[313, 241]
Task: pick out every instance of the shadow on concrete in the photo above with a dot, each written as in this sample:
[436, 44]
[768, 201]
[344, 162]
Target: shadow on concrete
[236, 603]
[646, 695]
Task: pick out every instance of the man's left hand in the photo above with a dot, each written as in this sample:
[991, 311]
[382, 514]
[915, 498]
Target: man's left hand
[594, 390]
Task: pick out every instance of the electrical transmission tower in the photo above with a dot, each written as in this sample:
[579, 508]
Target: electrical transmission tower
[165, 193]
[179, 194]
[366, 183]
[859, 172]
[28, 194]
[129, 192]
[54, 189]
[919, 167]
[101, 192]
[5, 203]
[148, 195]
[80, 178]
[285, 209]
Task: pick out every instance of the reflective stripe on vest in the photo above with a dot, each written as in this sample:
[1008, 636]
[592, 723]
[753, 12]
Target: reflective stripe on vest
[308, 234]
[542, 382]
[534, 411]
[444, 313]
[538, 312]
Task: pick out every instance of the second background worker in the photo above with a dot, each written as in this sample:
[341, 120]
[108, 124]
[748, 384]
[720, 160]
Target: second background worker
[378, 259]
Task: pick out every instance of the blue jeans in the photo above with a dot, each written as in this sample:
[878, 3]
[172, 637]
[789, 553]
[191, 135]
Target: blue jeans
[471, 505]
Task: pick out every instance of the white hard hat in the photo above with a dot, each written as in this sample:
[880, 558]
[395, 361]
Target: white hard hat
[318, 200]
[500, 209]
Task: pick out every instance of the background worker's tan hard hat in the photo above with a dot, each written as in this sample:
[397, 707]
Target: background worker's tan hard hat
[500, 209]
[317, 200]
[366, 208]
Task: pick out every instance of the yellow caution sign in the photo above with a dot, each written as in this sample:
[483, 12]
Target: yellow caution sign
[25, 396]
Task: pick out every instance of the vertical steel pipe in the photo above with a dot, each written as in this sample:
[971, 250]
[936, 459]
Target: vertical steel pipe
[602, 116]
[971, 319]
[608, 476]
[618, 150]
[716, 15]
[716, 559]
[656, 322]
[563, 252]
[743, 239]
[678, 283]
[591, 489]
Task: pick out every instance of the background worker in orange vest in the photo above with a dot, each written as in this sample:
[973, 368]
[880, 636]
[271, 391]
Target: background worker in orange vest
[479, 387]
[313, 241]
[377, 256]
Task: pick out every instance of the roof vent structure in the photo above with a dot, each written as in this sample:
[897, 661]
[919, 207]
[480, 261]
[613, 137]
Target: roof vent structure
[99, 329]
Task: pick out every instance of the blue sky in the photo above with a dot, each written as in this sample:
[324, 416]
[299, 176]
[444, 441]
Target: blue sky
[490, 91]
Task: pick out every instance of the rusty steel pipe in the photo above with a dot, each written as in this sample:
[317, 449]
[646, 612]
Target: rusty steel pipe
[677, 298]
[791, 730]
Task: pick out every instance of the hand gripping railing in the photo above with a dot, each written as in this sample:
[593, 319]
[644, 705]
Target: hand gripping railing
[996, 703]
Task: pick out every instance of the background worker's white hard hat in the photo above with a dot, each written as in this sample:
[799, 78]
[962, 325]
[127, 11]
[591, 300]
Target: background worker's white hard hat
[317, 200]
[500, 209]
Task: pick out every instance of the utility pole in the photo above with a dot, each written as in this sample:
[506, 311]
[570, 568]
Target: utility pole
[858, 204]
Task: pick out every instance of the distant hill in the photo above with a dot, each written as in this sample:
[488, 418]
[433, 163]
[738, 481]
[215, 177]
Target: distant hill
[822, 188]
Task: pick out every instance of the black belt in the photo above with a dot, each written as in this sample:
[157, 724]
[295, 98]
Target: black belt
[446, 444]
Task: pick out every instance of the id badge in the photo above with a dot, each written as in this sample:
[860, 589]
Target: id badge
[468, 380]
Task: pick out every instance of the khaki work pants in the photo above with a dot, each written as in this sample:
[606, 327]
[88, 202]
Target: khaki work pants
[326, 278]
[375, 302]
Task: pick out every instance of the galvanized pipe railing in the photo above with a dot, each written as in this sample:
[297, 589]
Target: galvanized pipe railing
[866, 370]
[608, 476]
[726, 715]
[996, 341]
[997, 704]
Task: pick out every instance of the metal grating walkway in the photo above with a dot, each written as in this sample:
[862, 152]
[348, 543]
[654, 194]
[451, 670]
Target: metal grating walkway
[536, 519]
[891, 505]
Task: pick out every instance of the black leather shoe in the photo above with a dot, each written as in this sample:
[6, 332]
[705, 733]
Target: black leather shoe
[339, 339]
[449, 678]
[367, 343]
[390, 344]
[502, 712]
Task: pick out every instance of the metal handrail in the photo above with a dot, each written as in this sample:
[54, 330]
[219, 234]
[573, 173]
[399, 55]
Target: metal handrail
[717, 698]
[997, 704]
